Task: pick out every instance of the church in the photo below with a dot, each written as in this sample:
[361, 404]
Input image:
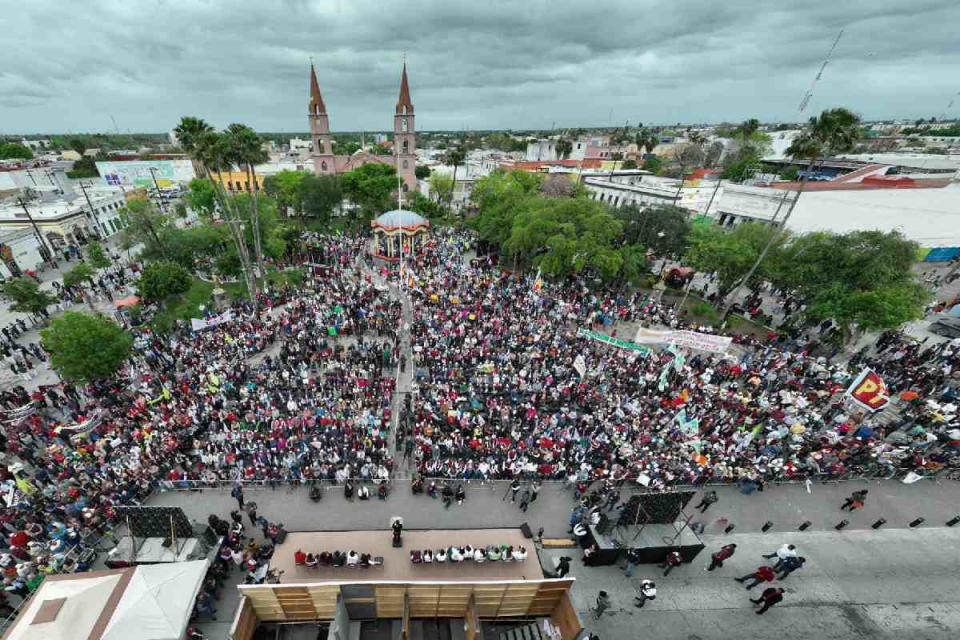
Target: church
[404, 157]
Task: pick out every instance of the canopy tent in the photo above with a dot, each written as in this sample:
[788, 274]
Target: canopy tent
[147, 602]
[129, 301]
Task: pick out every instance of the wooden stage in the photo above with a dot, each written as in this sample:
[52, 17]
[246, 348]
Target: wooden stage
[396, 561]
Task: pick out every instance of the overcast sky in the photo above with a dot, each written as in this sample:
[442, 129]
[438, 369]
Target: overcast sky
[474, 64]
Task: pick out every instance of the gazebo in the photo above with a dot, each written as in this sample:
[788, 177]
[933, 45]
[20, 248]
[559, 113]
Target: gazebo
[392, 228]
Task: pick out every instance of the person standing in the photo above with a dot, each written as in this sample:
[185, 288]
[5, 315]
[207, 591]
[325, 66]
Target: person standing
[603, 603]
[673, 559]
[237, 493]
[855, 501]
[716, 560]
[762, 574]
[648, 591]
[708, 499]
[251, 510]
[535, 490]
[514, 488]
[768, 598]
[563, 568]
[633, 559]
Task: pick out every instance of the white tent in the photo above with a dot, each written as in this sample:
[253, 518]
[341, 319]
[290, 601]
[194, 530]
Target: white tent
[148, 602]
[157, 602]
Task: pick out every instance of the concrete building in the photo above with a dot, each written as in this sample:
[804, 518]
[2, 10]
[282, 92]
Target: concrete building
[300, 146]
[19, 252]
[404, 157]
[541, 150]
[68, 217]
[619, 188]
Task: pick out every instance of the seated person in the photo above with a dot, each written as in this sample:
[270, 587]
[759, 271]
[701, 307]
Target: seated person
[416, 557]
[441, 555]
[348, 490]
[339, 559]
[493, 553]
[478, 555]
[455, 554]
[382, 491]
[432, 490]
[316, 493]
[507, 553]
[364, 559]
[520, 554]
[299, 557]
[363, 493]
[468, 552]
[417, 485]
[353, 558]
[324, 558]
[310, 561]
[427, 556]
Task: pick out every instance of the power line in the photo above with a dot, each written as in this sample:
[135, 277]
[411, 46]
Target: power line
[806, 98]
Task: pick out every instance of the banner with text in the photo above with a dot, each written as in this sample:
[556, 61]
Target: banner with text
[685, 339]
[869, 391]
[616, 342]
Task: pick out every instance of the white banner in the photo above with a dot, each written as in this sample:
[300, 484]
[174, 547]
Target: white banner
[580, 364]
[686, 339]
[198, 324]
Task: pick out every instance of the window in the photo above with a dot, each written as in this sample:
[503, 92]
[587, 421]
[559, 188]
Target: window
[406, 146]
[403, 123]
[323, 166]
[239, 188]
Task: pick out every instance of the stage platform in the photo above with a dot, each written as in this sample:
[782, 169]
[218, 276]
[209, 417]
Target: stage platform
[396, 561]
[654, 541]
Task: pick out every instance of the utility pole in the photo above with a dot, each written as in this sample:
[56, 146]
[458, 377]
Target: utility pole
[153, 174]
[44, 249]
[91, 213]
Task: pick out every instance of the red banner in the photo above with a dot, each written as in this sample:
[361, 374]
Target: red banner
[869, 391]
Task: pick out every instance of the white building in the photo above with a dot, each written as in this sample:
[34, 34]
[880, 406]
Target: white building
[642, 189]
[299, 145]
[19, 252]
[541, 150]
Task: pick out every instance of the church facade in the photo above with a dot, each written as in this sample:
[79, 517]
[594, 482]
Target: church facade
[404, 157]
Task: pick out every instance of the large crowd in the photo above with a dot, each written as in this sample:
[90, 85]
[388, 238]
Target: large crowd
[302, 390]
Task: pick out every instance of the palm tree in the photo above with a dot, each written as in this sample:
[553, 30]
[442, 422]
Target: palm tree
[212, 151]
[647, 140]
[834, 131]
[188, 133]
[455, 157]
[564, 147]
[246, 151]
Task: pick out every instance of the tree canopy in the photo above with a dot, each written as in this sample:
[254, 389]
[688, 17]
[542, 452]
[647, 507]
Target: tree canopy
[370, 187]
[729, 254]
[664, 229]
[97, 256]
[15, 151]
[78, 275]
[162, 279]
[202, 196]
[26, 296]
[85, 347]
[319, 196]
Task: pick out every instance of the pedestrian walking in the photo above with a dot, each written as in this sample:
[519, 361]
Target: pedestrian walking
[708, 499]
[251, 510]
[648, 591]
[603, 603]
[790, 565]
[781, 554]
[762, 574]
[673, 559]
[633, 559]
[535, 490]
[563, 568]
[855, 501]
[716, 560]
[237, 493]
[525, 499]
[768, 598]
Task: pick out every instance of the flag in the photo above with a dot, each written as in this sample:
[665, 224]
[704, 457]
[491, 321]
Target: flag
[580, 364]
[869, 391]
[538, 283]
[687, 425]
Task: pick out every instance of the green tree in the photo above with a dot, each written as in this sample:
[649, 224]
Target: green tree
[629, 164]
[26, 296]
[85, 167]
[440, 185]
[285, 187]
[97, 257]
[370, 187]
[144, 224]
[646, 140]
[664, 229]
[564, 148]
[320, 196]
[499, 197]
[78, 275]
[15, 151]
[714, 153]
[653, 164]
[202, 196]
[455, 158]
[426, 207]
[78, 144]
[729, 254]
[246, 151]
[162, 279]
[862, 278]
[85, 347]
[833, 132]
[422, 172]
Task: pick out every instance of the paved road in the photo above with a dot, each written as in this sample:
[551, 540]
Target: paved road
[861, 584]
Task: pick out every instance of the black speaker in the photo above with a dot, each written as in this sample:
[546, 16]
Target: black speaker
[525, 530]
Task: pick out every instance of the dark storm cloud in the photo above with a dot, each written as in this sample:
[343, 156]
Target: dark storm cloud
[69, 66]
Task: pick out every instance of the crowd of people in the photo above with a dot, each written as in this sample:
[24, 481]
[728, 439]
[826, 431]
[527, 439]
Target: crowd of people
[504, 387]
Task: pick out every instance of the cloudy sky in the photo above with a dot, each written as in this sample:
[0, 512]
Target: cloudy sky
[68, 65]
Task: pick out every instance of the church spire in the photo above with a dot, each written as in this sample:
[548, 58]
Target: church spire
[316, 100]
[404, 104]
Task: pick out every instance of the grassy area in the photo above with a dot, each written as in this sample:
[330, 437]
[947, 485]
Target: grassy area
[276, 279]
[184, 306]
[698, 310]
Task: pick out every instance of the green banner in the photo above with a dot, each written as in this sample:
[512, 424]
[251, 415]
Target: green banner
[616, 342]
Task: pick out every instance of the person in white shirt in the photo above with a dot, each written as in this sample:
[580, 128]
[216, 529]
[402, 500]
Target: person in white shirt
[784, 552]
[455, 555]
[478, 555]
[353, 558]
[441, 555]
[648, 591]
[520, 554]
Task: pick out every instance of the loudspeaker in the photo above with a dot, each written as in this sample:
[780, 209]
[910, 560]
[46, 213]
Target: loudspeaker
[525, 530]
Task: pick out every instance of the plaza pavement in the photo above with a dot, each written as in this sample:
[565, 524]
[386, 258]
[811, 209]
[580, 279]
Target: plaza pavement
[859, 583]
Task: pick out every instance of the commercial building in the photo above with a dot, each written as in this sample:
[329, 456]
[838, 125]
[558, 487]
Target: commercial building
[19, 252]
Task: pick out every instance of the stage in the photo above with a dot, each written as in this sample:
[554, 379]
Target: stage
[653, 541]
[396, 561]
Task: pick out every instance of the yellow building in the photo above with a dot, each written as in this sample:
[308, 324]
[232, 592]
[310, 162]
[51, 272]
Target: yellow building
[237, 181]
